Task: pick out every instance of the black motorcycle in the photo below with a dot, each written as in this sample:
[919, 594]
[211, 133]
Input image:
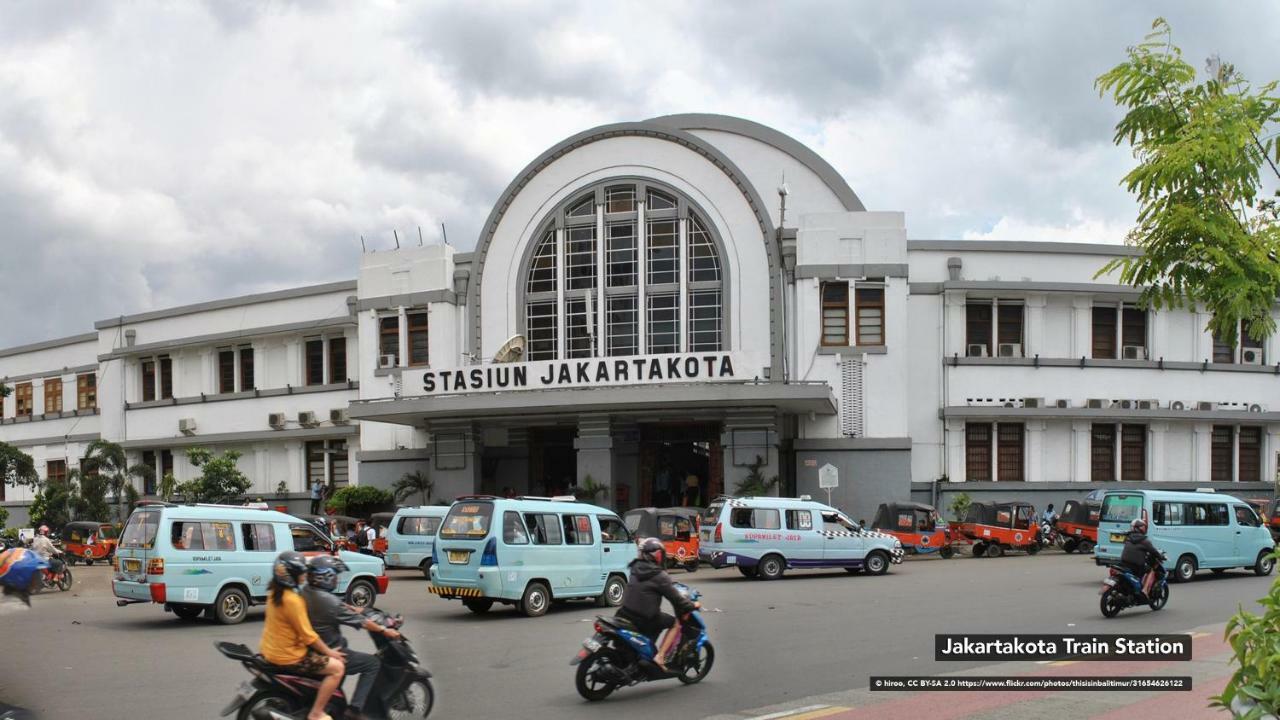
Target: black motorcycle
[1123, 589]
[403, 688]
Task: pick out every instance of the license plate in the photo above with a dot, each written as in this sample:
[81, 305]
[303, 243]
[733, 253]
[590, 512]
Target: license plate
[133, 566]
[459, 557]
[1117, 537]
[591, 644]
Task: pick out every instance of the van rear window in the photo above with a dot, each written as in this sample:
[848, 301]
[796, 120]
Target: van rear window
[1121, 508]
[712, 514]
[467, 520]
[418, 525]
[140, 530]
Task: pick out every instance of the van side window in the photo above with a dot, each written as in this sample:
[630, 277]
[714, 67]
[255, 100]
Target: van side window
[418, 525]
[799, 520]
[612, 531]
[1168, 513]
[306, 539]
[1246, 517]
[755, 518]
[513, 532]
[544, 528]
[259, 537]
[1213, 514]
[186, 536]
[577, 530]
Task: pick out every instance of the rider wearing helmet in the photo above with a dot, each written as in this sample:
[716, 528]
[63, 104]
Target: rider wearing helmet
[642, 602]
[289, 641]
[43, 547]
[1139, 554]
[328, 614]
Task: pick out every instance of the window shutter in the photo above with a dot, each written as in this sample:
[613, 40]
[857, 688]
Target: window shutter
[851, 398]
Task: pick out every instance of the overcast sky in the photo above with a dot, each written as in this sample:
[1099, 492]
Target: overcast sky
[157, 154]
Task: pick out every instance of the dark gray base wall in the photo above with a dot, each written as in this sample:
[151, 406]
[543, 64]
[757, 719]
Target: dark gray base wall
[448, 484]
[1041, 494]
[871, 471]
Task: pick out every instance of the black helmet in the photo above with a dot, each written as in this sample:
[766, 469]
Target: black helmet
[323, 571]
[289, 567]
[1138, 525]
[651, 548]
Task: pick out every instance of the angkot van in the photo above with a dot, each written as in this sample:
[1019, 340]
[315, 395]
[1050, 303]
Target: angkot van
[411, 536]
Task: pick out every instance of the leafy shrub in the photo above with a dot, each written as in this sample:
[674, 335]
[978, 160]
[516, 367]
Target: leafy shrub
[359, 500]
[959, 506]
[1255, 647]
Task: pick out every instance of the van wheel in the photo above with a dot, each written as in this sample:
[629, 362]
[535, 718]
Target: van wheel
[535, 601]
[478, 606]
[187, 612]
[231, 606]
[770, 567]
[426, 569]
[361, 593]
[749, 572]
[876, 562]
[614, 589]
[1185, 569]
[1264, 564]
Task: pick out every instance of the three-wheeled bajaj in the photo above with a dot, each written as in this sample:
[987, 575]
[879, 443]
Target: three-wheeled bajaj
[996, 527]
[916, 526]
[1078, 526]
[676, 527]
[87, 541]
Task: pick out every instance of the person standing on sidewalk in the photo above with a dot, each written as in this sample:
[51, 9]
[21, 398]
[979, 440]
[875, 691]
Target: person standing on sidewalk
[317, 486]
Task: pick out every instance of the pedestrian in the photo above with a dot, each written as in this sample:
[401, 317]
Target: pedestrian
[317, 486]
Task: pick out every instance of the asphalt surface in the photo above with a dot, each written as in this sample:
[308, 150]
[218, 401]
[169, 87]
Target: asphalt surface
[77, 655]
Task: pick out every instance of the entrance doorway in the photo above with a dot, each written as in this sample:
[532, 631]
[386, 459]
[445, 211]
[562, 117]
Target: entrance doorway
[680, 464]
[553, 462]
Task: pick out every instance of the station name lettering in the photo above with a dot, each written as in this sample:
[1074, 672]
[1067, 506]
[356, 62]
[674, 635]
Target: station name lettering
[1115, 646]
[566, 373]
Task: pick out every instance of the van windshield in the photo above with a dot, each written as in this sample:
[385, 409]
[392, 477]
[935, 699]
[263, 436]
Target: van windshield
[1121, 508]
[467, 520]
[140, 530]
[711, 514]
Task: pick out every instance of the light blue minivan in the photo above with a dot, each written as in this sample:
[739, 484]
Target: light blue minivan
[411, 535]
[529, 552]
[1195, 529]
[216, 559]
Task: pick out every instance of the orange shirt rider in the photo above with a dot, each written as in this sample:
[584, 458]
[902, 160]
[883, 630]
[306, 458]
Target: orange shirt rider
[287, 633]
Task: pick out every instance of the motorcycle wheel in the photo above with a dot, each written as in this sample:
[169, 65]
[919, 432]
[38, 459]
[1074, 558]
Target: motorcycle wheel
[589, 686]
[415, 701]
[64, 583]
[1110, 604]
[257, 707]
[697, 664]
[1160, 597]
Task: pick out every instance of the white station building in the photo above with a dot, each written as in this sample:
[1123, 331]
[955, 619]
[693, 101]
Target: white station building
[646, 308]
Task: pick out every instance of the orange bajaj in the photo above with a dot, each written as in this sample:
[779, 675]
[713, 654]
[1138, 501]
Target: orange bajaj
[88, 541]
[916, 526]
[1078, 526]
[996, 527]
[676, 527]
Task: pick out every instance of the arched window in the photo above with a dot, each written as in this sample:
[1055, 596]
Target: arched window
[623, 269]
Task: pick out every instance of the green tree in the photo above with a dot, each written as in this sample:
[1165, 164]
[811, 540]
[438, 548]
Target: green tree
[589, 490]
[359, 500]
[4, 391]
[51, 505]
[220, 479]
[109, 461]
[4, 517]
[1207, 233]
[90, 502]
[167, 486]
[17, 468]
[959, 506]
[414, 482]
[754, 484]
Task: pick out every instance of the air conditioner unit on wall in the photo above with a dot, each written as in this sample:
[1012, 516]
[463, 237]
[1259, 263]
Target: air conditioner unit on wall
[1206, 406]
[1010, 349]
[338, 416]
[1134, 352]
[306, 418]
[975, 350]
[277, 421]
[1123, 404]
[1251, 356]
[1256, 408]
[1062, 403]
[1096, 403]
[1148, 404]
[1032, 402]
[386, 361]
[187, 426]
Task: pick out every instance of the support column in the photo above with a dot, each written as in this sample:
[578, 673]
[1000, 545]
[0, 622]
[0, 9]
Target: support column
[1201, 452]
[1081, 326]
[1035, 451]
[595, 455]
[954, 317]
[1033, 335]
[1081, 448]
[1157, 463]
[956, 470]
[1271, 454]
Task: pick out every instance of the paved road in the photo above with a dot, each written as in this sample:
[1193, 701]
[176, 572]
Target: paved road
[76, 655]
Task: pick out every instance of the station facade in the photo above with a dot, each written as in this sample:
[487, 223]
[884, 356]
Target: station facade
[664, 310]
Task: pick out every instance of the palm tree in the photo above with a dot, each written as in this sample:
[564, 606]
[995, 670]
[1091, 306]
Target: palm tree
[109, 460]
[414, 482]
[589, 489]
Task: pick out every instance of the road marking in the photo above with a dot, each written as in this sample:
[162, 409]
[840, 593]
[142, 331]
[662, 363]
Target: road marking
[809, 712]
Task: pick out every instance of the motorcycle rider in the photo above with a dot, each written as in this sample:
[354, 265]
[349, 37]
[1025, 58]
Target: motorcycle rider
[642, 602]
[1140, 556]
[328, 614]
[289, 641]
[43, 547]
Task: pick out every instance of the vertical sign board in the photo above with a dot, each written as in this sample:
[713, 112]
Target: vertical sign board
[828, 478]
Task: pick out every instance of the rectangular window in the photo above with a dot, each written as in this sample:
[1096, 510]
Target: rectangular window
[1249, 460]
[1134, 330]
[1211, 514]
[513, 532]
[977, 451]
[149, 459]
[1009, 332]
[56, 471]
[1133, 452]
[258, 537]
[663, 247]
[246, 369]
[1246, 350]
[978, 329]
[186, 535]
[869, 304]
[337, 360]
[1104, 333]
[87, 391]
[53, 395]
[1103, 452]
[620, 199]
[577, 529]
[148, 379]
[226, 371]
[306, 538]
[1168, 513]
[22, 398]
[580, 257]
[835, 312]
[540, 331]
[418, 342]
[612, 530]
[1223, 352]
[663, 321]
[1220, 453]
[755, 518]
[799, 520]
[1009, 452]
[623, 326]
[425, 526]
[704, 321]
[544, 528]
[314, 362]
[389, 339]
[621, 258]
[580, 328]
[166, 377]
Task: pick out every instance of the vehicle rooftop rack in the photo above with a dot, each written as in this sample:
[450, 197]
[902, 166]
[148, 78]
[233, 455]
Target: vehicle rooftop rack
[553, 498]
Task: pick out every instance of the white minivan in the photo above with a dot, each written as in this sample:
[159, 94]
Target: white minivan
[411, 536]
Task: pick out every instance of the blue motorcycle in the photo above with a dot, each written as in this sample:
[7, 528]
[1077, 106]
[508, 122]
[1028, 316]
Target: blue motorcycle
[1124, 589]
[619, 655]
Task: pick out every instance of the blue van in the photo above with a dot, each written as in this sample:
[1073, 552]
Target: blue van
[411, 535]
[1195, 529]
[216, 559]
[529, 552]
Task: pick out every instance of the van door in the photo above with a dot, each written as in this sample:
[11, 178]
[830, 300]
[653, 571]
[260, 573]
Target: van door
[1212, 532]
[1245, 537]
[202, 559]
[545, 557]
[616, 549]
[581, 556]
[805, 546]
[260, 542]
[843, 545]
